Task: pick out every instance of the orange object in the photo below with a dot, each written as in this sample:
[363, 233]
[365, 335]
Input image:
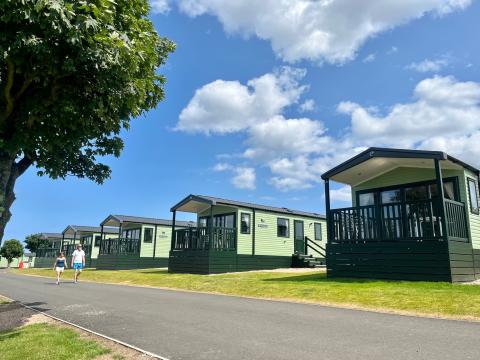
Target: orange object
[20, 265]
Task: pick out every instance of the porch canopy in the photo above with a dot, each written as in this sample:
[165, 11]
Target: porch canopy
[431, 218]
[376, 161]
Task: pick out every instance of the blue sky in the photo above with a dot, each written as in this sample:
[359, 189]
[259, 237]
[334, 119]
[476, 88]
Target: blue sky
[259, 104]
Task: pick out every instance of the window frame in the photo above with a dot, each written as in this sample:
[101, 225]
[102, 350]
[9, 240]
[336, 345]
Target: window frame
[95, 243]
[315, 231]
[151, 234]
[288, 228]
[473, 210]
[249, 227]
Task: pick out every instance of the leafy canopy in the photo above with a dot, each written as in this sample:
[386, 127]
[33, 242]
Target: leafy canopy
[11, 249]
[72, 75]
[35, 241]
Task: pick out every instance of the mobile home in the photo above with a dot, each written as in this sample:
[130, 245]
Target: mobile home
[240, 236]
[140, 242]
[415, 215]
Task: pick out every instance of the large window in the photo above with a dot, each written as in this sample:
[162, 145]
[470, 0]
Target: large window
[245, 223]
[220, 220]
[133, 234]
[473, 196]
[366, 199]
[148, 235]
[98, 240]
[318, 231]
[282, 227]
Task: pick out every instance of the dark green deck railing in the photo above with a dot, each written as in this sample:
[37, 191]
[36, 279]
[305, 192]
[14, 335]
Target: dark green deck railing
[47, 252]
[204, 238]
[120, 246]
[402, 221]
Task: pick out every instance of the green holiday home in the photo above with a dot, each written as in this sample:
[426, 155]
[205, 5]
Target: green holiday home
[140, 242]
[239, 236]
[415, 215]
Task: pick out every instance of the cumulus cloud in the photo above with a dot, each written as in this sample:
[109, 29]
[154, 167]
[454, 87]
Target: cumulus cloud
[369, 58]
[444, 114]
[343, 194]
[428, 65]
[307, 105]
[316, 30]
[228, 106]
[160, 6]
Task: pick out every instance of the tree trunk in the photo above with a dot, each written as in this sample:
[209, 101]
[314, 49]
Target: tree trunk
[9, 173]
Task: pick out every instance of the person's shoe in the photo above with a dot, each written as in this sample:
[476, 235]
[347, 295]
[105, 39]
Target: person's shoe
[58, 283]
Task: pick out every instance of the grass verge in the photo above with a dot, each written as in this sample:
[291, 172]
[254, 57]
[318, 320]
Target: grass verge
[46, 341]
[438, 299]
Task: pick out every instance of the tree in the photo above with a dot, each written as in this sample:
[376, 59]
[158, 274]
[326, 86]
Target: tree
[72, 75]
[11, 249]
[35, 241]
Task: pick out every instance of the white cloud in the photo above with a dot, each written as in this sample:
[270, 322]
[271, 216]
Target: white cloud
[228, 106]
[160, 6]
[316, 30]
[343, 194]
[428, 65]
[307, 106]
[444, 114]
[244, 178]
[369, 58]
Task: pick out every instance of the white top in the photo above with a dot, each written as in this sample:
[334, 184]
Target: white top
[78, 256]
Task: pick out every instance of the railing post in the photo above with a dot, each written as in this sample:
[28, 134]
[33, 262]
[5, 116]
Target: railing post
[327, 210]
[441, 196]
[172, 241]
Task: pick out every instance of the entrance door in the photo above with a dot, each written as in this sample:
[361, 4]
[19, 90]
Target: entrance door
[299, 237]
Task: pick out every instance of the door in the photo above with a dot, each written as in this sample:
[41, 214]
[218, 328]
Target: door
[299, 237]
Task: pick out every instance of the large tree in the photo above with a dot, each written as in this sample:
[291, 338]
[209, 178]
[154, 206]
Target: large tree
[35, 241]
[11, 249]
[72, 75]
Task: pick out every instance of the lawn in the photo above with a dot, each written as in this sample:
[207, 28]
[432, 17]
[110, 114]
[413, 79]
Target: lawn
[45, 341]
[423, 298]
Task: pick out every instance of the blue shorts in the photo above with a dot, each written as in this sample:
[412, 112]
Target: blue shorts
[78, 266]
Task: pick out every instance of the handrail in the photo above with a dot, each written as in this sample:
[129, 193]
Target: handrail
[204, 238]
[309, 243]
[121, 246]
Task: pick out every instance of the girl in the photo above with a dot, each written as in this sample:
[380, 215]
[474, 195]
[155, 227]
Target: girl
[60, 265]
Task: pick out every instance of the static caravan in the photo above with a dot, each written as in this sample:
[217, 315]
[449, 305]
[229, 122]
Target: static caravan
[415, 215]
[45, 255]
[239, 236]
[89, 237]
[140, 242]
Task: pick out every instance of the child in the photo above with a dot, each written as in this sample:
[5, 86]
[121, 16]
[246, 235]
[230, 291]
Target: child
[60, 265]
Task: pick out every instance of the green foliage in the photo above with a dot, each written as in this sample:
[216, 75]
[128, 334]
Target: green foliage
[44, 341]
[72, 75]
[35, 241]
[11, 249]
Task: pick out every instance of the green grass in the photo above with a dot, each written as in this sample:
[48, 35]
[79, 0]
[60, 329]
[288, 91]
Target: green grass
[424, 298]
[49, 342]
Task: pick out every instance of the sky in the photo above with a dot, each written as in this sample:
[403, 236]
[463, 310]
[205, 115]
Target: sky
[262, 97]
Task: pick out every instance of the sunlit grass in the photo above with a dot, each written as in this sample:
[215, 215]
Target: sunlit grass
[427, 298]
[47, 342]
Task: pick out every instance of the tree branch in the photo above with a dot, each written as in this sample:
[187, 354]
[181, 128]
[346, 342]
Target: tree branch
[8, 87]
[23, 164]
[24, 87]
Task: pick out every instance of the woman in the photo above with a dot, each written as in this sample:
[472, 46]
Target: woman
[60, 265]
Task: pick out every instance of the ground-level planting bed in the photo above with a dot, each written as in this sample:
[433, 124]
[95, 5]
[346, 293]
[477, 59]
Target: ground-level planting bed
[427, 298]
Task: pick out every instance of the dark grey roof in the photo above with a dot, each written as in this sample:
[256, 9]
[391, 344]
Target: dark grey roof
[51, 235]
[215, 200]
[147, 220]
[394, 153]
[92, 229]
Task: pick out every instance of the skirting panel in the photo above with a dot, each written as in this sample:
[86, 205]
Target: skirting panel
[125, 262]
[216, 262]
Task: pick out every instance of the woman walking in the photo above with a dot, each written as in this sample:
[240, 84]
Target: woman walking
[60, 265]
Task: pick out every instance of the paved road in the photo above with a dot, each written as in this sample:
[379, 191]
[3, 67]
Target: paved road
[181, 325]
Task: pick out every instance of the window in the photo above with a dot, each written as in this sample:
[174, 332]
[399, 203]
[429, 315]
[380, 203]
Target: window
[391, 196]
[366, 199]
[148, 235]
[318, 231]
[473, 195]
[245, 223]
[98, 240]
[133, 234]
[282, 227]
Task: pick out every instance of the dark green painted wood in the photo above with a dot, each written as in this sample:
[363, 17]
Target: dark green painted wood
[125, 262]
